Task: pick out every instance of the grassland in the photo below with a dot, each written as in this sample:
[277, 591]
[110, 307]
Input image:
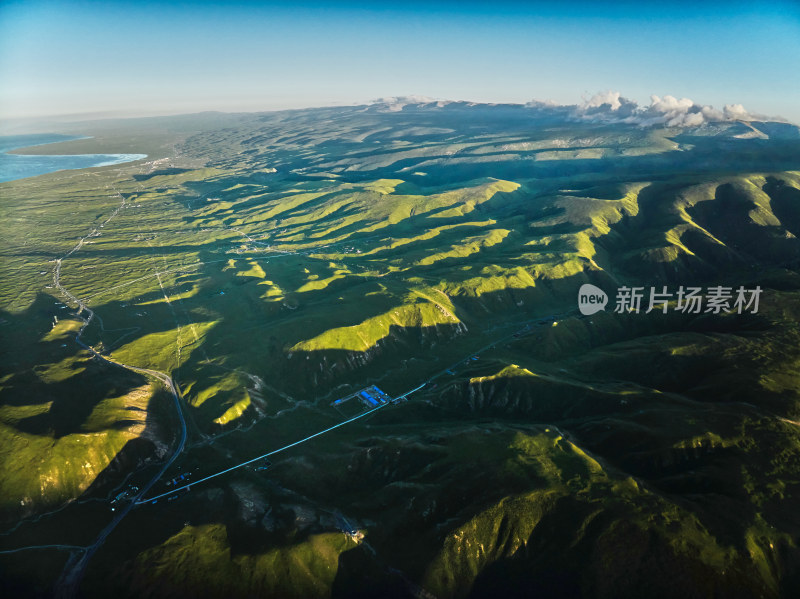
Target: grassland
[272, 263]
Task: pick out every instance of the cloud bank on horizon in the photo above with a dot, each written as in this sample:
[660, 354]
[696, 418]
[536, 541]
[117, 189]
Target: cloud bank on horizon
[613, 107]
[668, 111]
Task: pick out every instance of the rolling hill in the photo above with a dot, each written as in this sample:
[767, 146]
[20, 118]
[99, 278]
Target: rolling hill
[270, 264]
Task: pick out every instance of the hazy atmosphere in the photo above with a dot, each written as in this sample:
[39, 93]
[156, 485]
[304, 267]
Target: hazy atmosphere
[138, 58]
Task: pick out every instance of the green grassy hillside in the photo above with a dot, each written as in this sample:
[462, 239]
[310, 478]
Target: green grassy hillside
[270, 264]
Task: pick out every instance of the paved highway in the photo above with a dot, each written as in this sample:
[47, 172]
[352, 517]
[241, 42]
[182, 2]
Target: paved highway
[273, 452]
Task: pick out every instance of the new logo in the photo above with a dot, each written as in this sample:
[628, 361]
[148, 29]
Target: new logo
[591, 299]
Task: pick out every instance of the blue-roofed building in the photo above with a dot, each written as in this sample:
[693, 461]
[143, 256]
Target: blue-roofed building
[383, 397]
[369, 399]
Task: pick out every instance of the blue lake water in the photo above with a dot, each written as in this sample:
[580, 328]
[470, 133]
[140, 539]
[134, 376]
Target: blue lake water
[14, 166]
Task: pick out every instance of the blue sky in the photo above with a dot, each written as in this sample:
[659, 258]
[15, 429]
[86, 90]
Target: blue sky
[158, 58]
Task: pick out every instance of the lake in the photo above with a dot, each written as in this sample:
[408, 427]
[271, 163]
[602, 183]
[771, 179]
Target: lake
[14, 166]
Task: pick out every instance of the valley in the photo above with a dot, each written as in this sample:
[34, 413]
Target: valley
[198, 311]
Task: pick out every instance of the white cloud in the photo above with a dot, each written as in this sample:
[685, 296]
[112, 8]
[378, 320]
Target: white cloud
[670, 104]
[610, 98]
[396, 103]
[611, 106]
[542, 104]
[736, 111]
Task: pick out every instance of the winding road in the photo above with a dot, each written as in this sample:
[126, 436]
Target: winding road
[67, 584]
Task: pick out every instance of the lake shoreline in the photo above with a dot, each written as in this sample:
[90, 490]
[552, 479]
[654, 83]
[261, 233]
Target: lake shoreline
[15, 166]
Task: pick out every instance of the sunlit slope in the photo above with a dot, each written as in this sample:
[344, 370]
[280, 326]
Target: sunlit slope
[66, 423]
[580, 532]
[365, 335]
[198, 561]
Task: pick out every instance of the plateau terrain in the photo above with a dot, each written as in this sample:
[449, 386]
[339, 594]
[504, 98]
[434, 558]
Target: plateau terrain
[338, 352]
